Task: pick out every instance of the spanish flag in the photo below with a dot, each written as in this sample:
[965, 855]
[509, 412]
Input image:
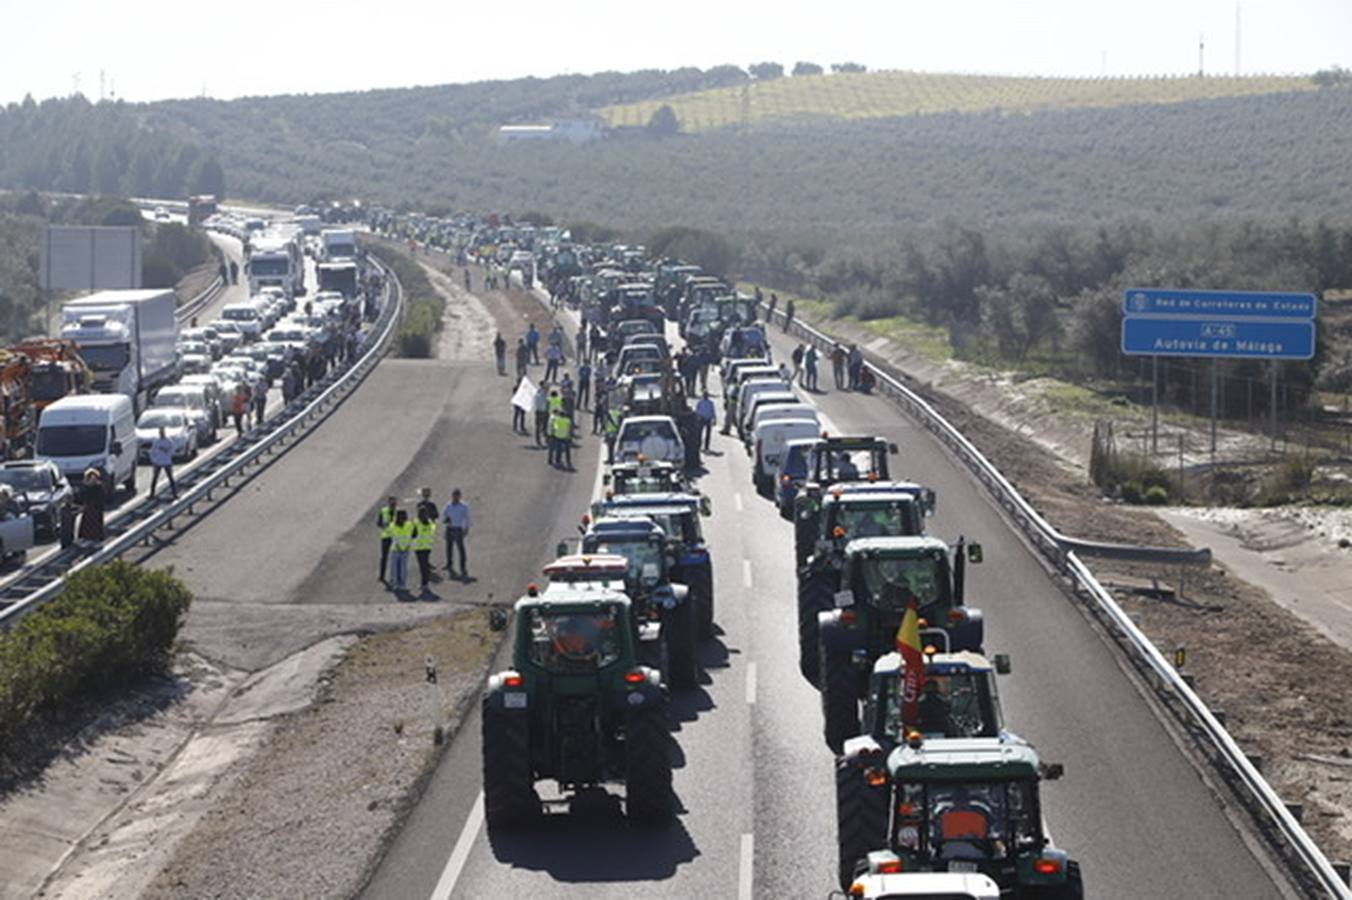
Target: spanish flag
[913, 664]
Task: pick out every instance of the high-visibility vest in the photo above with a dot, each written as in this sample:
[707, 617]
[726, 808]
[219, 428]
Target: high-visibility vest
[426, 533]
[403, 536]
[386, 522]
[554, 403]
[613, 420]
[560, 427]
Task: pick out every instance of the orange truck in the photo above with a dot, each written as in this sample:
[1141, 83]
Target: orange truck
[33, 375]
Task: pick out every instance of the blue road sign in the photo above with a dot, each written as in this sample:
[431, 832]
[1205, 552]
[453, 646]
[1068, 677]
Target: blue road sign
[1235, 305]
[1273, 339]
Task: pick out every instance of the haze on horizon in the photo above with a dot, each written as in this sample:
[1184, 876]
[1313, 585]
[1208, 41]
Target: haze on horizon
[258, 48]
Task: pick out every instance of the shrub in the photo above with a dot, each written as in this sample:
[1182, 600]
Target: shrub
[1156, 495]
[113, 624]
[1131, 492]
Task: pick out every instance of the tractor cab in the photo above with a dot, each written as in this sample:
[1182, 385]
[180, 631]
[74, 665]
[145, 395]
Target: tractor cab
[838, 459]
[973, 805]
[958, 699]
[861, 509]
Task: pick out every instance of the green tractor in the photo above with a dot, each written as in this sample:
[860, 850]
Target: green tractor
[832, 461]
[958, 699]
[848, 511]
[575, 707]
[968, 805]
[879, 578]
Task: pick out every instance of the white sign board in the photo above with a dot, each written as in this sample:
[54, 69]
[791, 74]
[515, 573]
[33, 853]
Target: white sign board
[89, 258]
[524, 398]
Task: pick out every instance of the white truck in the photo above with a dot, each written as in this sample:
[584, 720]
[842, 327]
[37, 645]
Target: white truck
[277, 261]
[337, 243]
[129, 338]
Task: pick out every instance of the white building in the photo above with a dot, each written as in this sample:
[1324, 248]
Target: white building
[574, 131]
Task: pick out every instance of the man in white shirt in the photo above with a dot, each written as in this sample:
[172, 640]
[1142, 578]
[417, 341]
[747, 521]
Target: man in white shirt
[162, 457]
[457, 520]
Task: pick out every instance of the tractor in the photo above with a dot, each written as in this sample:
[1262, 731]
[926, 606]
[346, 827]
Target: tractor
[964, 805]
[679, 516]
[849, 511]
[831, 461]
[879, 578]
[958, 699]
[645, 476]
[662, 611]
[576, 707]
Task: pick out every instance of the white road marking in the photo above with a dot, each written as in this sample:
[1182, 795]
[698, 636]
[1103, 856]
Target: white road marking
[746, 573]
[737, 500]
[460, 855]
[746, 867]
[751, 683]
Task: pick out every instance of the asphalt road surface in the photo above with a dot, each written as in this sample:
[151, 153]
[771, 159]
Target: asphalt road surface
[755, 779]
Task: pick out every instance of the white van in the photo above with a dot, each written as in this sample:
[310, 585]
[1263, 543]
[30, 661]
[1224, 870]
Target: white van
[91, 431]
[246, 317]
[768, 442]
[757, 388]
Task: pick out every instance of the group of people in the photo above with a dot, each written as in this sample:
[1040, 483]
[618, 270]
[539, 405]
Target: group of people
[402, 534]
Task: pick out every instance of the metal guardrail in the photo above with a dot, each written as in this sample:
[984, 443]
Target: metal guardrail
[201, 301]
[1064, 552]
[304, 412]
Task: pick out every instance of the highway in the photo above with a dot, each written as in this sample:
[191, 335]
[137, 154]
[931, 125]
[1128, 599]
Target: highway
[754, 778]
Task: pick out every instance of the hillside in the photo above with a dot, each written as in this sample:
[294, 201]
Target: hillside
[865, 95]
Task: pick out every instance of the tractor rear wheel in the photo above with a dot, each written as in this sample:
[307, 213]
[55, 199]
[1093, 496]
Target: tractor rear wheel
[814, 596]
[701, 584]
[840, 697]
[678, 632]
[804, 536]
[861, 819]
[648, 798]
[510, 800]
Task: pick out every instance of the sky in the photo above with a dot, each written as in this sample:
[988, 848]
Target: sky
[152, 49]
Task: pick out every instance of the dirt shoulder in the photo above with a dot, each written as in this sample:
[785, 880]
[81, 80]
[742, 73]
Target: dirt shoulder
[1281, 681]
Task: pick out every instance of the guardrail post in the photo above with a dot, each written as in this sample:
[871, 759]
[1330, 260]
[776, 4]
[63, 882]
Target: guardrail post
[1297, 811]
[1344, 870]
[1256, 760]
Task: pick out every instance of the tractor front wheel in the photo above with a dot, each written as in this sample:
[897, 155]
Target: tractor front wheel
[648, 798]
[861, 819]
[678, 631]
[510, 800]
[840, 697]
[814, 596]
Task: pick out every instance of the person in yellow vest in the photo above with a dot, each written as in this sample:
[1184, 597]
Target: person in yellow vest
[561, 436]
[403, 531]
[422, 546]
[385, 521]
[613, 419]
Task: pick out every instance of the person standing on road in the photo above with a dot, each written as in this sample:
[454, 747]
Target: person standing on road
[770, 310]
[260, 399]
[92, 503]
[457, 521]
[468, 284]
[425, 504]
[788, 315]
[706, 413]
[401, 532]
[518, 413]
[810, 367]
[239, 407]
[533, 344]
[582, 342]
[613, 419]
[162, 457]
[797, 358]
[541, 409]
[385, 522]
[522, 358]
[584, 373]
[234, 272]
[553, 361]
[599, 413]
[500, 353]
[561, 432]
[424, 539]
[856, 360]
[838, 357]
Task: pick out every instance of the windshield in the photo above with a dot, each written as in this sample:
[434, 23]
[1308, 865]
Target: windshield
[72, 440]
[879, 519]
[925, 577]
[48, 385]
[981, 820]
[637, 432]
[240, 314]
[573, 643]
[179, 398]
[644, 556]
[846, 465]
[106, 357]
[951, 704]
[155, 418]
[27, 479]
[269, 267]
[795, 462]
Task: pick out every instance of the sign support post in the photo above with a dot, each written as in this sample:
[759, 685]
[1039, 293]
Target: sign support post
[1154, 405]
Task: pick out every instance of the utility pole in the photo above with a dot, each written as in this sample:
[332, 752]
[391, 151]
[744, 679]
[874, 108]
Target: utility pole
[1238, 30]
[75, 84]
[1201, 56]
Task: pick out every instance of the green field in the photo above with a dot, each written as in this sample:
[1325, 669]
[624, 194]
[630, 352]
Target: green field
[866, 95]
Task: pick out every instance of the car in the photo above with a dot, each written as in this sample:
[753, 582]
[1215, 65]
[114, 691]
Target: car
[194, 357]
[178, 427]
[246, 317]
[216, 387]
[206, 335]
[654, 437]
[195, 400]
[232, 338]
[45, 491]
